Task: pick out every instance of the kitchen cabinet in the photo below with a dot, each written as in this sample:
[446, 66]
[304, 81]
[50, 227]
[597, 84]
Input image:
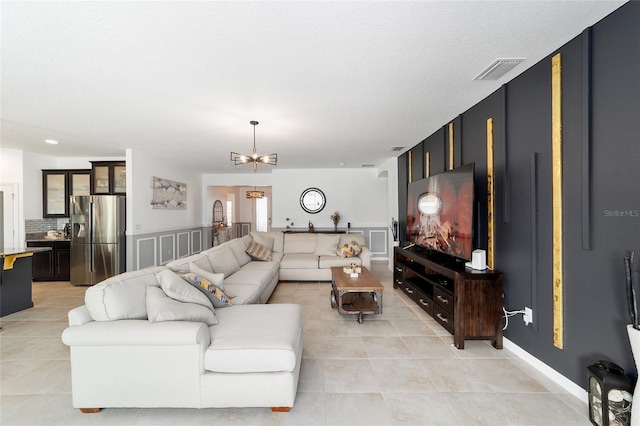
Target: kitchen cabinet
[108, 177]
[58, 185]
[53, 265]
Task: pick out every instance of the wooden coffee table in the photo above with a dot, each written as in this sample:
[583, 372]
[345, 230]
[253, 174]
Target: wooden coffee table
[356, 296]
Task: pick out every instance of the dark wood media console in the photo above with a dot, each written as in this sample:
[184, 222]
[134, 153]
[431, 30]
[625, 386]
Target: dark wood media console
[466, 302]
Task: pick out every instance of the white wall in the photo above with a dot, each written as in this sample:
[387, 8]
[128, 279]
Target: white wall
[389, 169]
[357, 194]
[141, 218]
[12, 171]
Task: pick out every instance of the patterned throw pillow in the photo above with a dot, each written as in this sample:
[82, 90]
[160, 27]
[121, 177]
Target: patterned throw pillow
[259, 252]
[217, 296]
[349, 250]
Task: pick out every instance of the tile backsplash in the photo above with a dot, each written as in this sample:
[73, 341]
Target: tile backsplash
[37, 227]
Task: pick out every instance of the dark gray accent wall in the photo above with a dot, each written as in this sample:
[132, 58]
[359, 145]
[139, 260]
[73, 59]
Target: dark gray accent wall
[601, 160]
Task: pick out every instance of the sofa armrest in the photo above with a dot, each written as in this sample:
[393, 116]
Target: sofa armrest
[79, 315]
[137, 333]
[366, 255]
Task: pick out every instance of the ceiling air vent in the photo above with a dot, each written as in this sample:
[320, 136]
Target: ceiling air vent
[368, 165]
[396, 148]
[498, 68]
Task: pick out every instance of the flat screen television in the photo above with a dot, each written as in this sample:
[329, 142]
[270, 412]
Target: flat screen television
[440, 212]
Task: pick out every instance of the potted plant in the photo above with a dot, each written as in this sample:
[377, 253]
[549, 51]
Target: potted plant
[335, 217]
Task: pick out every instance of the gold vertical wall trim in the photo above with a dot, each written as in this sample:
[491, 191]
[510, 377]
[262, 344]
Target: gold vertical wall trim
[427, 165]
[556, 159]
[490, 195]
[450, 146]
[410, 166]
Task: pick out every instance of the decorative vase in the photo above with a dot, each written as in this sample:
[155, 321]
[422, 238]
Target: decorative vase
[634, 339]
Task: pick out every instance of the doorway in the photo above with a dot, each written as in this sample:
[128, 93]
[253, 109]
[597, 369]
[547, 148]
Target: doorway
[9, 214]
[239, 211]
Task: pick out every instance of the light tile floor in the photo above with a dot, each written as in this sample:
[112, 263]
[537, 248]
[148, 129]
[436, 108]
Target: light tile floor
[398, 367]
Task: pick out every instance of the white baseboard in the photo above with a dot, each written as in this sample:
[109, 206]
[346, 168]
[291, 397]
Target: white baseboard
[558, 378]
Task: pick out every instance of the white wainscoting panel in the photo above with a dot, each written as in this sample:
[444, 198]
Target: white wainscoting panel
[167, 248]
[378, 242]
[196, 242]
[146, 252]
[183, 244]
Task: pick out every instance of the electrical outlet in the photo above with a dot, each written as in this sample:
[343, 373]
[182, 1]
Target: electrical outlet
[528, 316]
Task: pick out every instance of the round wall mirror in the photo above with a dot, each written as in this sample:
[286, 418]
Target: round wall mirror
[429, 204]
[312, 200]
[217, 211]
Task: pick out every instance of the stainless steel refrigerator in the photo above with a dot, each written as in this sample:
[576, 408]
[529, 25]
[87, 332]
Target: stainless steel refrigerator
[97, 238]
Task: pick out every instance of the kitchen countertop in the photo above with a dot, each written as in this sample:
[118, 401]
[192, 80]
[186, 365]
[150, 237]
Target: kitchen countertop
[12, 251]
[48, 239]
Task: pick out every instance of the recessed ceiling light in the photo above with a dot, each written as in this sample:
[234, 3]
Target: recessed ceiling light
[51, 141]
[342, 164]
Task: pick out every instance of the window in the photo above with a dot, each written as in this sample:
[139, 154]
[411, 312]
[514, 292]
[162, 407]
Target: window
[262, 214]
[229, 212]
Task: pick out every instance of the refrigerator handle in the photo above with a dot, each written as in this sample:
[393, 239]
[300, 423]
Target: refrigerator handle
[92, 226]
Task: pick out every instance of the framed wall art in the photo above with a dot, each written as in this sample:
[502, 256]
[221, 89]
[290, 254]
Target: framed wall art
[168, 194]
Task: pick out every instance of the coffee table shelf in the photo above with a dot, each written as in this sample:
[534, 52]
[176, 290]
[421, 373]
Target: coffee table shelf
[356, 295]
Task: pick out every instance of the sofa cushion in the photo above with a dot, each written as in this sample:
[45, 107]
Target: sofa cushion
[174, 286]
[255, 338]
[326, 244]
[122, 296]
[246, 294]
[349, 250]
[259, 277]
[223, 261]
[259, 252]
[239, 248]
[214, 294]
[300, 243]
[299, 261]
[278, 239]
[331, 261]
[161, 307]
[262, 239]
[182, 264]
[263, 265]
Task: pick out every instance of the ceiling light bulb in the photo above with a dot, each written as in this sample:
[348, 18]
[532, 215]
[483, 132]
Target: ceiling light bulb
[51, 141]
[255, 155]
[243, 158]
[265, 159]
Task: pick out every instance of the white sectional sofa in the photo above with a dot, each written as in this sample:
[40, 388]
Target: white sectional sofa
[310, 256]
[143, 339]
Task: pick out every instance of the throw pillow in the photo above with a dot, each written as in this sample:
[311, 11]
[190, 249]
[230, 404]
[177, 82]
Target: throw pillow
[175, 287]
[349, 250]
[326, 244]
[215, 279]
[215, 295]
[259, 252]
[161, 307]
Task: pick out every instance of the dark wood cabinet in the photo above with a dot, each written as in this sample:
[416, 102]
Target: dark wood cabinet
[465, 302]
[108, 178]
[53, 265]
[58, 185]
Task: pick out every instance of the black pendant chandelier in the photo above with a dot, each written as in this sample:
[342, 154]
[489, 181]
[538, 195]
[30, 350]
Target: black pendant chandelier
[254, 158]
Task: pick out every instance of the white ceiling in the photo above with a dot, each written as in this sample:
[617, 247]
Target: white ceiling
[329, 82]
